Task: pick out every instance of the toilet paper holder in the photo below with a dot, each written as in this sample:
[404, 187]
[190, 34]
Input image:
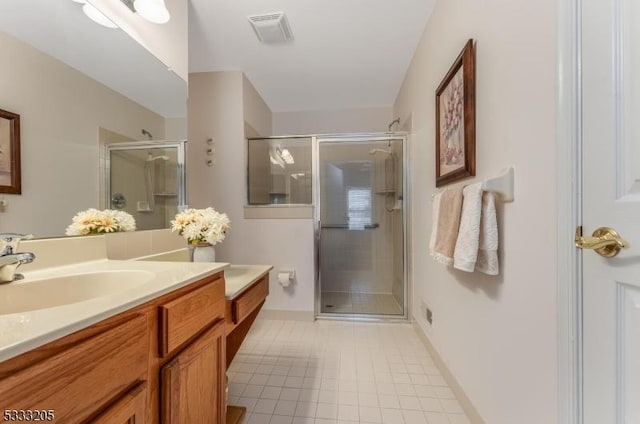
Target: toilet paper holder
[286, 276]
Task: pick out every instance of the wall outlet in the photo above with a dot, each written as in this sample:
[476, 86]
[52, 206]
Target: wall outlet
[429, 316]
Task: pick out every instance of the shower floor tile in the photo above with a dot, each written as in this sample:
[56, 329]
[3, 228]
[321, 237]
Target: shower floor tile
[349, 370]
[359, 303]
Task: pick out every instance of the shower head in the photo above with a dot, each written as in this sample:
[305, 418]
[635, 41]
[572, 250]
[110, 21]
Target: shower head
[385, 151]
[151, 158]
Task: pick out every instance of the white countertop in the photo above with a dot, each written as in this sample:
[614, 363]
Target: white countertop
[24, 331]
[237, 278]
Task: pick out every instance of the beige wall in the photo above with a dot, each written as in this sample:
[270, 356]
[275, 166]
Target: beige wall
[257, 115]
[332, 121]
[214, 111]
[61, 111]
[220, 103]
[175, 129]
[496, 334]
[168, 42]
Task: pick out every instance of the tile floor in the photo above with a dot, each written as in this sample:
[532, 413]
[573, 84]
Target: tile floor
[360, 303]
[330, 372]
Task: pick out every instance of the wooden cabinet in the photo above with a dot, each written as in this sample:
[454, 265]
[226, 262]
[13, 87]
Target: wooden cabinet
[182, 318]
[80, 380]
[129, 409]
[193, 383]
[161, 362]
[250, 300]
[242, 311]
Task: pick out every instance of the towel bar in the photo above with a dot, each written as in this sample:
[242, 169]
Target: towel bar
[502, 184]
[347, 227]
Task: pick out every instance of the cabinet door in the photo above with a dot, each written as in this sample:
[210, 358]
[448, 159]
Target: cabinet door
[79, 381]
[193, 383]
[129, 409]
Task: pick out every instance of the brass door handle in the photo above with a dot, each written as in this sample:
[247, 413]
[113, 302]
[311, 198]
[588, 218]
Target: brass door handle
[605, 241]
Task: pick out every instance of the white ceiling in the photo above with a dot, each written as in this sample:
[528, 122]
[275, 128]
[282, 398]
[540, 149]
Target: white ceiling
[346, 53]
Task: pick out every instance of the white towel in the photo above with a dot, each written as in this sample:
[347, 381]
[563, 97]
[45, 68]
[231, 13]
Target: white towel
[488, 248]
[466, 252]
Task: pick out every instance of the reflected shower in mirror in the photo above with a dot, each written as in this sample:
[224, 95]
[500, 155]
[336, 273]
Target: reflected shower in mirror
[146, 180]
[77, 86]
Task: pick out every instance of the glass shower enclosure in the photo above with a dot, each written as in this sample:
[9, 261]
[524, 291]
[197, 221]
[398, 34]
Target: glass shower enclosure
[360, 227]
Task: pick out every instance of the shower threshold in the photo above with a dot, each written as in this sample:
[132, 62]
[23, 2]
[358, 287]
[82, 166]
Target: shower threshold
[346, 303]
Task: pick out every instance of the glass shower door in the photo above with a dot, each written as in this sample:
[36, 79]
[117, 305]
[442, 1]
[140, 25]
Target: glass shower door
[360, 227]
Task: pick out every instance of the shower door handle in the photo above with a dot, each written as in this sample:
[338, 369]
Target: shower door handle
[319, 238]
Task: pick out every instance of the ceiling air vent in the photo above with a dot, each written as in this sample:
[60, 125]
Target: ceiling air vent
[271, 28]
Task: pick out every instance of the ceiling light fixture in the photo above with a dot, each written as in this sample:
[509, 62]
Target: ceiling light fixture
[275, 161]
[154, 11]
[288, 158]
[285, 155]
[97, 16]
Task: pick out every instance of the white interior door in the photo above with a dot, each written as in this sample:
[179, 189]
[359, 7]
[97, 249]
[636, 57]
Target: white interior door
[611, 198]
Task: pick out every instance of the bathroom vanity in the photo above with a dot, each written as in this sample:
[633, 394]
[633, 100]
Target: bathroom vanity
[155, 352]
[246, 290]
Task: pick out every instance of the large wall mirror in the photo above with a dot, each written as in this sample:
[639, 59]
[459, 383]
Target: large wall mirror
[77, 87]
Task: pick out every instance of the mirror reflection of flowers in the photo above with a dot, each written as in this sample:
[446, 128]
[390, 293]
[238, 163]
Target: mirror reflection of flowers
[94, 221]
[201, 225]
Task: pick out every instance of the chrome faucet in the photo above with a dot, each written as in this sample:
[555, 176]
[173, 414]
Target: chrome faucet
[9, 259]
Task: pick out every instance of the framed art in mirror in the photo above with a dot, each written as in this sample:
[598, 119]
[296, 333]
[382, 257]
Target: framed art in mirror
[455, 120]
[9, 152]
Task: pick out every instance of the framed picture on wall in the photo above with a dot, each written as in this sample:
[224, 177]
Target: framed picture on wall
[9, 152]
[455, 120]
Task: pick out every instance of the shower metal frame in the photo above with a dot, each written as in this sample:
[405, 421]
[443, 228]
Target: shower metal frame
[317, 140]
[180, 146]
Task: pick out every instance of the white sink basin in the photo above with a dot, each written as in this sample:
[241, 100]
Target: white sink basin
[23, 296]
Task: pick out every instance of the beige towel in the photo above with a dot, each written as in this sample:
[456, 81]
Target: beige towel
[434, 225]
[446, 225]
[488, 248]
[466, 252]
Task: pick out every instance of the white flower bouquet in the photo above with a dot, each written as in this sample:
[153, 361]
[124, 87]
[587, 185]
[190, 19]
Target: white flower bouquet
[94, 221]
[201, 225]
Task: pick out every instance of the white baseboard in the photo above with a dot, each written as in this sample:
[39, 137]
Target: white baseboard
[277, 314]
[465, 402]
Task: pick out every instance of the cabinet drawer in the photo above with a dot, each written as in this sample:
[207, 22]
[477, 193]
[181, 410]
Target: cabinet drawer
[129, 409]
[78, 381]
[244, 304]
[184, 317]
